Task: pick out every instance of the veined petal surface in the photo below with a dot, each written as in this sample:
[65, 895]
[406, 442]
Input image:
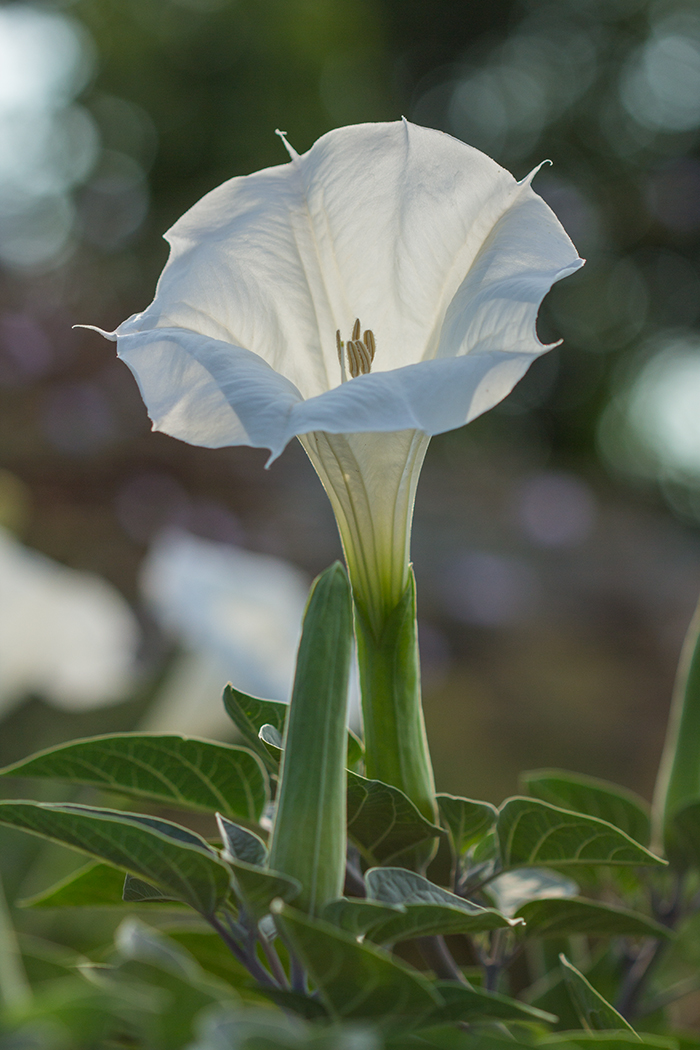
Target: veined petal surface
[434, 246]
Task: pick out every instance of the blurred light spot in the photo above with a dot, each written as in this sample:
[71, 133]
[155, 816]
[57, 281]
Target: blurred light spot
[77, 419]
[47, 143]
[555, 509]
[148, 503]
[654, 427]
[673, 195]
[25, 350]
[488, 590]
[34, 231]
[660, 87]
[114, 203]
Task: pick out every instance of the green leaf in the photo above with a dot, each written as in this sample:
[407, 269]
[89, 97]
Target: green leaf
[533, 833]
[256, 887]
[511, 889]
[618, 806]
[358, 916]
[684, 835]
[382, 822]
[177, 861]
[92, 886]
[356, 980]
[595, 1012]
[136, 891]
[428, 909]
[475, 1004]
[249, 714]
[296, 1003]
[241, 844]
[557, 917]
[356, 752]
[466, 820]
[175, 770]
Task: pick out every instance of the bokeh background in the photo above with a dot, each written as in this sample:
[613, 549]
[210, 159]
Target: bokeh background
[556, 541]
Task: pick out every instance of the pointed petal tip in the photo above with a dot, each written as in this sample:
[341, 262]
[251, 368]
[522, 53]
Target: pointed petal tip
[529, 177]
[289, 148]
[112, 336]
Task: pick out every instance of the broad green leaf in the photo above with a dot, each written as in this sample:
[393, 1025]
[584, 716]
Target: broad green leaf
[356, 980]
[358, 916]
[136, 891]
[475, 1004]
[382, 822]
[308, 840]
[92, 886]
[256, 888]
[241, 844]
[249, 714]
[273, 742]
[429, 920]
[595, 1012]
[185, 868]
[511, 889]
[533, 833]
[618, 806]
[174, 770]
[428, 909]
[563, 917]
[212, 955]
[466, 820]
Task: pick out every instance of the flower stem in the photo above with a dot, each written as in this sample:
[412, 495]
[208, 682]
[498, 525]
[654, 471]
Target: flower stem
[396, 745]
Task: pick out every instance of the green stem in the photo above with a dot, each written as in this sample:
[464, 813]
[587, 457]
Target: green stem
[396, 745]
[15, 990]
[678, 781]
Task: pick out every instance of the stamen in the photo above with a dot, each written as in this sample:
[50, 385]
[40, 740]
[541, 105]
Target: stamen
[360, 352]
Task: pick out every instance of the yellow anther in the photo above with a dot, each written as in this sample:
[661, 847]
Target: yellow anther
[356, 329]
[370, 344]
[339, 345]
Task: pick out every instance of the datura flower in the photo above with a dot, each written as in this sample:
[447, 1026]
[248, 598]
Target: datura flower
[376, 290]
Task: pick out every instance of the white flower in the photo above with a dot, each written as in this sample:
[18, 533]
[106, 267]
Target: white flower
[253, 336]
[238, 616]
[65, 635]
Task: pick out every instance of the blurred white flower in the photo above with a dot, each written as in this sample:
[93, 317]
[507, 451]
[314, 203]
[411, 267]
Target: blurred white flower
[65, 635]
[238, 617]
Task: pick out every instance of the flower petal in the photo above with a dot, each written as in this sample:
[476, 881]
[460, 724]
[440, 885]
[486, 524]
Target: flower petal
[377, 221]
[210, 393]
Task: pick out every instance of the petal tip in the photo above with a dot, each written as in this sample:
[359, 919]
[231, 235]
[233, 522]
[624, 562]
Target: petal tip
[289, 148]
[112, 336]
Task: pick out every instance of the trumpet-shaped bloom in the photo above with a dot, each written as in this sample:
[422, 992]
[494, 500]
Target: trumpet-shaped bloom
[386, 281]
[65, 635]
